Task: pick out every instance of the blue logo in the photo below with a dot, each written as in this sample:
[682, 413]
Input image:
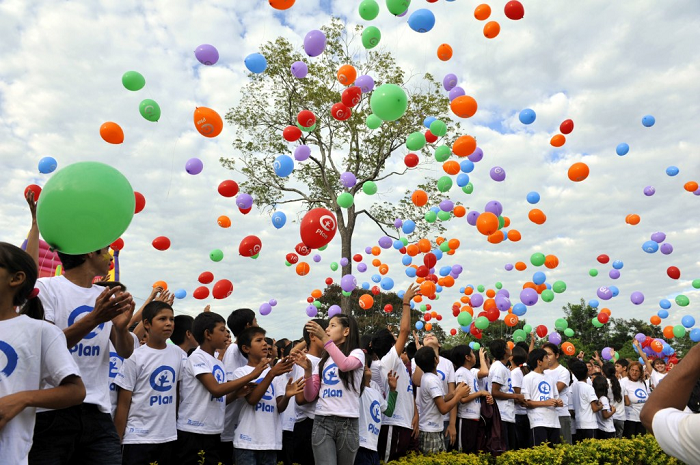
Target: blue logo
[218, 373]
[270, 393]
[72, 318]
[330, 375]
[162, 378]
[441, 375]
[11, 357]
[375, 411]
[115, 363]
[544, 387]
[641, 394]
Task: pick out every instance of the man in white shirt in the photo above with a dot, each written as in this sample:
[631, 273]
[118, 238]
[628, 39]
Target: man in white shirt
[502, 390]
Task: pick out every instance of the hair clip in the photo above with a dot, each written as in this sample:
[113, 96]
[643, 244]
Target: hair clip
[33, 294]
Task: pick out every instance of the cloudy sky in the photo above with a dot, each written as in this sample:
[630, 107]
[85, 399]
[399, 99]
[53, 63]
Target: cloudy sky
[604, 65]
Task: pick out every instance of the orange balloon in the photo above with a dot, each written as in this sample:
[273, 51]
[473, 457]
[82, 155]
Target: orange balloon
[489, 304]
[491, 29]
[514, 235]
[441, 282]
[412, 250]
[366, 301]
[551, 261]
[207, 122]
[316, 293]
[467, 309]
[281, 4]
[606, 310]
[668, 332]
[510, 345]
[568, 348]
[451, 167]
[428, 326]
[520, 266]
[463, 106]
[557, 140]
[376, 262]
[303, 268]
[468, 290]
[464, 299]
[439, 240]
[487, 223]
[424, 245]
[444, 52]
[537, 216]
[540, 287]
[657, 346]
[427, 288]
[482, 12]
[511, 320]
[459, 211]
[530, 284]
[376, 250]
[690, 186]
[449, 281]
[384, 269]
[418, 279]
[578, 172]
[453, 243]
[463, 146]
[347, 75]
[161, 284]
[655, 320]
[419, 198]
[418, 299]
[112, 133]
[496, 238]
[490, 293]
[632, 219]
[506, 221]
[224, 221]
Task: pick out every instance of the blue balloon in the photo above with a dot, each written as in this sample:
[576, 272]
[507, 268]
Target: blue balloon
[435, 209]
[256, 63]
[695, 334]
[593, 303]
[437, 253]
[462, 179]
[527, 116]
[467, 166]
[650, 246]
[47, 165]
[408, 226]
[688, 321]
[622, 149]
[617, 264]
[401, 294]
[376, 278]
[365, 286]
[672, 170]
[462, 289]
[662, 314]
[398, 245]
[445, 270]
[615, 290]
[278, 219]
[438, 288]
[665, 303]
[428, 121]
[421, 20]
[387, 283]
[648, 121]
[419, 325]
[180, 294]
[410, 272]
[406, 260]
[519, 309]
[283, 166]
[539, 277]
[533, 197]
[668, 350]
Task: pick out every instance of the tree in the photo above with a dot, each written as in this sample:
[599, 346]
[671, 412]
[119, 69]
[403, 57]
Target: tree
[272, 100]
[496, 330]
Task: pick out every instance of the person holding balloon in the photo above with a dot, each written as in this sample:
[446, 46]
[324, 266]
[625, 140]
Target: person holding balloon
[656, 369]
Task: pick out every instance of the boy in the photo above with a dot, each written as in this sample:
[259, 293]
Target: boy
[202, 389]
[585, 402]
[502, 390]
[372, 407]
[563, 378]
[182, 335]
[433, 403]
[258, 435]
[146, 407]
[541, 398]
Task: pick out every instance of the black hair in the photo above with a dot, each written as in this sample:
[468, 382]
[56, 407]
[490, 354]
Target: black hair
[524, 345]
[553, 347]
[497, 347]
[579, 370]
[533, 357]
[205, 321]
[426, 359]
[368, 360]
[284, 347]
[366, 343]
[152, 309]
[520, 359]
[71, 261]
[239, 320]
[600, 385]
[382, 342]
[352, 342]
[623, 361]
[458, 355]
[615, 388]
[447, 353]
[14, 260]
[246, 338]
[411, 350]
[321, 322]
[183, 323]
[111, 285]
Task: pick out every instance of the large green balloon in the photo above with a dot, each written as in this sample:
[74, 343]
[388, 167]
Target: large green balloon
[559, 286]
[371, 37]
[527, 329]
[681, 299]
[444, 184]
[369, 9]
[568, 332]
[679, 331]
[133, 80]
[596, 323]
[389, 102]
[84, 207]
[482, 323]
[438, 128]
[415, 141]
[468, 189]
[547, 295]
[464, 318]
[537, 259]
[397, 7]
[216, 255]
[345, 200]
[369, 188]
[442, 153]
[519, 335]
[430, 216]
[561, 324]
[150, 110]
[444, 216]
[373, 121]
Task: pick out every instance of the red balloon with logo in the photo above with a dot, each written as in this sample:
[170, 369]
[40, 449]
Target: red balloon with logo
[340, 111]
[292, 258]
[318, 227]
[302, 249]
[249, 246]
[118, 244]
[351, 96]
[222, 289]
[306, 118]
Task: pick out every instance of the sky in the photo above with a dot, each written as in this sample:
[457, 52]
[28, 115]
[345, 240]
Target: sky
[602, 64]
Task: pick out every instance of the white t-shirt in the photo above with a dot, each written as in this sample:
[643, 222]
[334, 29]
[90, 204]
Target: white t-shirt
[182, 353]
[561, 375]
[115, 364]
[199, 411]
[656, 378]
[151, 375]
[471, 410]
[333, 397]
[582, 395]
[404, 408]
[483, 382]
[516, 377]
[66, 303]
[605, 424]
[619, 406]
[259, 426]
[676, 432]
[377, 377]
[372, 404]
[233, 360]
[539, 387]
[289, 416]
[308, 409]
[430, 419]
[637, 392]
[33, 355]
[445, 372]
[500, 374]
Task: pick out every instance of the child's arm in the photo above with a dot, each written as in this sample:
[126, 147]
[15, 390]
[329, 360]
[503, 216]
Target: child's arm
[122, 413]
[497, 394]
[391, 400]
[344, 363]
[444, 406]
[305, 364]
[405, 327]
[292, 389]
[596, 405]
[33, 236]
[608, 413]
[282, 367]
[483, 365]
[217, 389]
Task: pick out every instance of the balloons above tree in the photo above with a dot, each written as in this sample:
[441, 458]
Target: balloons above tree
[314, 43]
[318, 227]
[389, 102]
[422, 20]
[208, 122]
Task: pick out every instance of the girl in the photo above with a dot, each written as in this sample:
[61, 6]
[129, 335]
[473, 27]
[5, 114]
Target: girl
[522, 423]
[606, 427]
[615, 398]
[636, 394]
[35, 350]
[656, 368]
[338, 387]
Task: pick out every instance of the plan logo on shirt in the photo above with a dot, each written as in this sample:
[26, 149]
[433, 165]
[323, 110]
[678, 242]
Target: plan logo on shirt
[73, 317]
[641, 395]
[10, 359]
[330, 375]
[218, 373]
[270, 393]
[476, 389]
[80, 349]
[162, 380]
[545, 389]
[375, 411]
[441, 375]
[115, 362]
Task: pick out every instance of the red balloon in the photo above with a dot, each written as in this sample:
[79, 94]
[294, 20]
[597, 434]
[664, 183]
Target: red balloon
[541, 330]
[430, 259]
[329, 281]
[34, 188]
[422, 271]
[200, 293]
[161, 243]
[492, 314]
[476, 332]
[291, 133]
[432, 277]
[602, 258]
[222, 289]
[375, 290]
[318, 227]
[292, 258]
[403, 250]
[411, 160]
[340, 111]
[118, 244]
[514, 10]
[566, 126]
[455, 312]
[245, 211]
[673, 272]
[306, 118]
[302, 249]
[439, 317]
[603, 317]
[206, 277]
[310, 299]
[140, 202]
[249, 246]
[357, 257]
[351, 96]
[228, 188]
[388, 308]
[427, 316]
[453, 331]
[430, 137]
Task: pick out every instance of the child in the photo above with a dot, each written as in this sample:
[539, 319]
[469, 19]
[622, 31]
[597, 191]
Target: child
[606, 427]
[338, 387]
[34, 351]
[656, 368]
[542, 398]
[372, 406]
[563, 378]
[258, 435]
[636, 392]
[615, 398]
[502, 390]
[517, 374]
[202, 390]
[585, 402]
[146, 408]
[433, 403]
[182, 335]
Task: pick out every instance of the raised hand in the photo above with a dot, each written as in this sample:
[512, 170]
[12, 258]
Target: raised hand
[110, 304]
[412, 291]
[294, 387]
[315, 329]
[392, 379]
[32, 205]
[282, 367]
[301, 360]
[260, 367]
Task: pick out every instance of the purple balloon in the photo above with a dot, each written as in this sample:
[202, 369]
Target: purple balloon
[503, 292]
[449, 82]
[314, 43]
[368, 250]
[344, 261]
[640, 337]
[509, 267]
[476, 300]
[301, 153]
[265, 309]
[311, 311]
[697, 192]
[385, 242]
[637, 297]
[457, 269]
[614, 274]
[502, 303]
[194, 166]
[494, 207]
[658, 237]
[317, 258]
[454, 275]
[348, 283]
[649, 191]
[365, 83]
[472, 216]
[244, 201]
[666, 248]
[348, 179]
[606, 354]
[361, 267]
[555, 338]
[272, 302]
[456, 92]
[476, 156]
[299, 69]
[207, 54]
[497, 173]
[529, 296]
[334, 310]
[447, 205]
[604, 293]
[398, 222]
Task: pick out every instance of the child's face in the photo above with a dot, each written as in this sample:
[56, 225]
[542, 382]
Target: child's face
[368, 374]
[258, 346]
[336, 331]
[161, 326]
[219, 336]
[430, 340]
[660, 365]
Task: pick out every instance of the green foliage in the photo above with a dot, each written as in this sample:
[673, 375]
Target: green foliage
[496, 330]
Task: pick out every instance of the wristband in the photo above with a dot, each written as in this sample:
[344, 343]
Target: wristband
[330, 341]
[407, 304]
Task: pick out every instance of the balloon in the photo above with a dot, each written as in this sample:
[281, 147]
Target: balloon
[666, 248]
[541, 330]
[216, 255]
[366, 301]
[161, 243]
[112, 133]
[449, 82]
[649, 191]
[345, 200]
[533, 197]
[464, 146]
[477, 155]
[578, 172]
[415, 141]
[249, 246]
[207, 122]
[487, 223]
[514, 10]
[397, 7]
[673, 272]
[222, 289]
[555, 338]
[318, 227]
[622, 149]
[369, 9]
[648, 121]
[537, 259]
[637, 297]
[47, 165]
[539, 278]
[348, 283]
[678, 331]
[228, 188]
[244, 201]
[180, 294]
[133, 81]
[351, 96]
[314, 43]
[371, 37]
[444, 52]
[207, 54]
[527, 116]
[682, 300]
[299, 69]
[283, 166]
[389, 102]
[150, 110]
[421, 20]
[201, 293]
[497, 173]
[672, 170]
[282, 4]
[194, 166]
[696, 283]
[566, 126]
[464, 106]
[482, 12]
[346, 75]
[491, 29]
[695, 334]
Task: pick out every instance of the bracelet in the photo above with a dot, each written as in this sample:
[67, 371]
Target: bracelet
[407, 304]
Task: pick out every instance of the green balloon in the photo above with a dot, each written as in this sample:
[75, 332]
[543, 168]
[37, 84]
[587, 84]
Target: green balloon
[559, 286]
[482, 323]
[369, 188]
[371, 37]
[617, 356]
[287, 263]
[444, 216]
[404, 241]
[150, 110]
[476, 345]
[501, 222]
[133, 80]
[430, 216]
[561, 324]
[422, 308]
[317, 304]
[415, 141]
[322, 248]
[679, 331]
[547, 295]
[397, 7]
[255, 257]
[519, 335]
[334, 266]
[311, 128]
[442, 153]
[438, 128]
[345, 200]
[681, 300]
[84, 207]
[537, 259]
[444, 247]
[437, 297]
[468, 189]
[596, 323]
[464, 318]
[499, 285]
[216, 255]
[389, 102]
[373, 121]
[568, 332]
[346, 293]
[593, 272]
[369, 9]
[527, 329]
[480, 288]
[444, 184]
[696, 283]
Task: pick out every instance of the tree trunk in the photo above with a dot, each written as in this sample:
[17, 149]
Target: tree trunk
[346, 251]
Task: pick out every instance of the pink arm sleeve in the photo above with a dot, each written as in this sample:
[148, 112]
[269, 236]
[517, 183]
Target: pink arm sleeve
[311, 388]
[344, 363]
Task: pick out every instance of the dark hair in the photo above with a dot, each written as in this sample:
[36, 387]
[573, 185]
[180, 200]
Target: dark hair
[537, 355]
[71, 261]
[553, 347]
[458, 355]
[497, 347]
[321, 322]
[183, 323]
[609, 372]
[352, 342]
[600, 385]
[411, 350]
[366, 343]
[368, 360]
[246, 338]
[524, 345]
[579, 370]
[239, 320]
[623, 362]
[111, 285]
[152, 309]
[520, 359]
[14, 260]
[382, 342]
[284, 347]
[425, 359]
[205, 321]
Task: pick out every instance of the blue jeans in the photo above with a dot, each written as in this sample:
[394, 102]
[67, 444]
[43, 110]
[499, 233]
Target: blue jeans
[335, 440]
[255, 457]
